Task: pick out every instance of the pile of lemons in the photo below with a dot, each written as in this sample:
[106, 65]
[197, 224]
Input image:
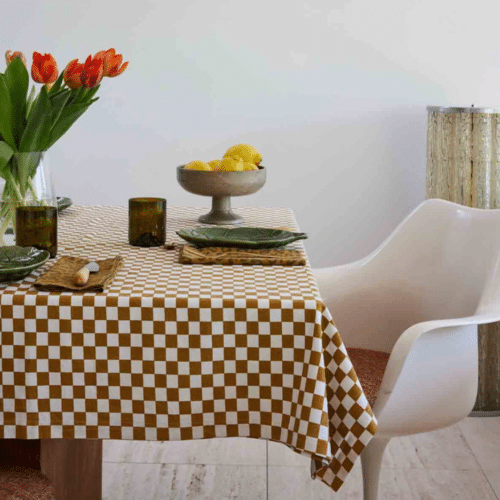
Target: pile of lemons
[238, 158]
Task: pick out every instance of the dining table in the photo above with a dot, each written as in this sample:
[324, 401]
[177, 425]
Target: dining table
[172, 351]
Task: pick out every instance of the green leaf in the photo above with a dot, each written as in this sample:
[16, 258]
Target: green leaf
[58, 103]
[6, 114]
[67, 117]
[17, 80]
[31, 98]
[91, 93]
[24, 168]
[36, 133]
[78, 95]
[59, 92]
[57, 85]
[5, 155]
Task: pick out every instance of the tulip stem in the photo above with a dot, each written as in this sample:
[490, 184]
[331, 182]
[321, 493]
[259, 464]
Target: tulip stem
[4, 226]
[10, 198]
[13, 196]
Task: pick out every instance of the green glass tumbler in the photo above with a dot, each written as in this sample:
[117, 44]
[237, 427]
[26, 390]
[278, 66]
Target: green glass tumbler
[147, 222]
[36, 226]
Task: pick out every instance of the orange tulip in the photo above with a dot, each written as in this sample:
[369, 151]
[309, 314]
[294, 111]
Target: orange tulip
[9, 57]
[92, 72]
[112, 62]
[44, 68]
[73, 74]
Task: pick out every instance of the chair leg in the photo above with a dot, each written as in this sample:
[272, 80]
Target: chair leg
[371, 460]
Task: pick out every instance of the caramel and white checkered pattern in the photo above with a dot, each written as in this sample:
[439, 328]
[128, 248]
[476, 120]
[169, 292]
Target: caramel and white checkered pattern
[175, 352]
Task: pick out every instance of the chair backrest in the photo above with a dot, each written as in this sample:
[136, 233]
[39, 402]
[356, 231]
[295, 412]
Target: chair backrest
[445, 257]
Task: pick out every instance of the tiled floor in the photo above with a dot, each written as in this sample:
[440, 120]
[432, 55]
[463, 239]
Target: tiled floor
[460, 463]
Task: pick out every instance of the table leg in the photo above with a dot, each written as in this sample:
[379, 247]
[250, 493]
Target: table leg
[74, 466]
[20, 452]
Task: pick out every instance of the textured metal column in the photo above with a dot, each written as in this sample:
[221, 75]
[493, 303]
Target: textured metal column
[463, 166]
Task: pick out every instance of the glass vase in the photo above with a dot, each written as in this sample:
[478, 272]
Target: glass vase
[26, 181]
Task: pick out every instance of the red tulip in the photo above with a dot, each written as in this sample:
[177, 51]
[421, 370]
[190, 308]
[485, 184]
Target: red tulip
[112, 62]
[73, 74]
[92, 72]
[9, 57]
[44, 68]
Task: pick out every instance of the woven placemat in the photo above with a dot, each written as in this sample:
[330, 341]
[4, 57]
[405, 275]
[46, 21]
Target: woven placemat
[224, 255]
[61, 276]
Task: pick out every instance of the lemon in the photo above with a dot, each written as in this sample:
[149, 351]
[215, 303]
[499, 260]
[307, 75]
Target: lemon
[246, 152]
[249, 166]
[197, 165]
[231, 164]
[214, 164]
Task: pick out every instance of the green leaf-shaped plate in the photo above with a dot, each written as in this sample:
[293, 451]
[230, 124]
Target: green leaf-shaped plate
[17, 262]
[240, 237]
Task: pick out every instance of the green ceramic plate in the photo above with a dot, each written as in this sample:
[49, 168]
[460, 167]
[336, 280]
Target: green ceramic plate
[17, 262]
[241, 237]
[63, 203]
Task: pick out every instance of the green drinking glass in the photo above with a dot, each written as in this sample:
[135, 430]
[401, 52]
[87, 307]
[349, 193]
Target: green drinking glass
[147, 222]
[36, 226]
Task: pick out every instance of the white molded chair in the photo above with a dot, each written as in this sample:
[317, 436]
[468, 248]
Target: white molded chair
[419, 296]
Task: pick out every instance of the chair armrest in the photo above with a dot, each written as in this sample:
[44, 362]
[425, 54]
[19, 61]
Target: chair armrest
[431, 377]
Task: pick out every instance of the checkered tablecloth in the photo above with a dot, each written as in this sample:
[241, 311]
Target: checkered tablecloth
[175, 352]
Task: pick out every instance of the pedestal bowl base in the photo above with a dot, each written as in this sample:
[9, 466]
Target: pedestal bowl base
[220, 218]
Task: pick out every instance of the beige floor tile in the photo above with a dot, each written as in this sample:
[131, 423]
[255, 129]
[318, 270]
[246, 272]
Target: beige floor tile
[395, 484]
[493, 476]
[483, 436]
[281, 455]
[183, 482]
[441, 449]
[286, 483]
[227, 451]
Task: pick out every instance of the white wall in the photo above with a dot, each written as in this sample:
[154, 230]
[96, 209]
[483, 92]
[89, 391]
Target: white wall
[332, 93]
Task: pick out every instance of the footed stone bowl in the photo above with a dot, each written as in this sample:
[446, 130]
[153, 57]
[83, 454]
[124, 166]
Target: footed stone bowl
[221, 186]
